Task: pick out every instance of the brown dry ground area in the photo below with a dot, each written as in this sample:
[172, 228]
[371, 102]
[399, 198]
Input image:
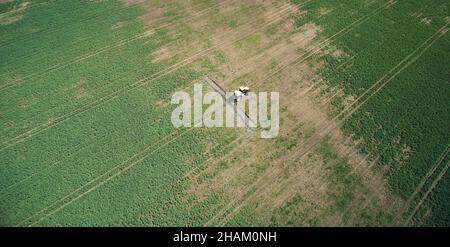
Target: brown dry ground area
[289, 180]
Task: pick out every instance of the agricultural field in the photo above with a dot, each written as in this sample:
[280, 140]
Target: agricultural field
[85, 110]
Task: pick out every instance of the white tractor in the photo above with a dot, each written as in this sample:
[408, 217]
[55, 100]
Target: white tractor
[241, 92]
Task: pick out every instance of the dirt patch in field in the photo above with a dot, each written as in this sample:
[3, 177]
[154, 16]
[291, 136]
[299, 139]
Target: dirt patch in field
[162, 103]
[161, 54]
[13, 15]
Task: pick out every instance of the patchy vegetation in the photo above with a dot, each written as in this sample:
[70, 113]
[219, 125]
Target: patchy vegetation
[86, 136]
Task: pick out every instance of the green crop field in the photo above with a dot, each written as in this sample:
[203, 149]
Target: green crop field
[85, 110]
